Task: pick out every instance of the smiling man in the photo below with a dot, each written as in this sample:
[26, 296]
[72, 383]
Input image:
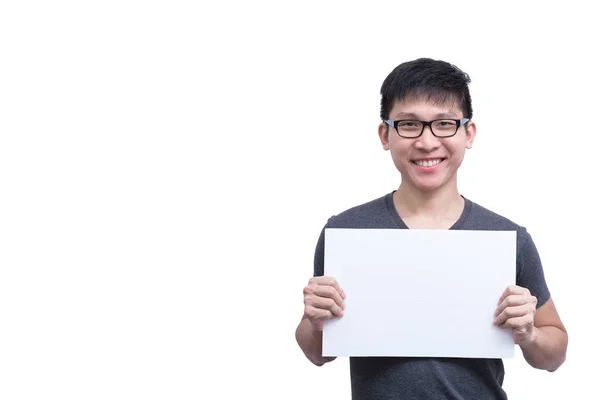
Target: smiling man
[427, 126]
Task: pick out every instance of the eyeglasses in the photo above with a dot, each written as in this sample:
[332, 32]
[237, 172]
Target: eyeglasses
[442, 128]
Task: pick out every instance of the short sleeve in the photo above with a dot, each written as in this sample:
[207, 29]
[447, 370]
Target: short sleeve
[319, 263]
[319, 267]
[530, 273]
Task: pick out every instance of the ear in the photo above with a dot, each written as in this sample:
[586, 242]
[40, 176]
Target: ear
[471, 132]
[383, 135]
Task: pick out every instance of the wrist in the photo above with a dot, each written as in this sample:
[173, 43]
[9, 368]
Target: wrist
[316, 330]
[531, 340]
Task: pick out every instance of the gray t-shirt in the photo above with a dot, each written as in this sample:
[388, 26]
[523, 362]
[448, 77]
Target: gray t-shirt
[434, 378]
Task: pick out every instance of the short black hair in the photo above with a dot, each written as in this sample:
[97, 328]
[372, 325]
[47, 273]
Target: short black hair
[437, 80]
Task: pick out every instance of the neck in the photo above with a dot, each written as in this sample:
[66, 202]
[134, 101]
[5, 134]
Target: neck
[410, 201]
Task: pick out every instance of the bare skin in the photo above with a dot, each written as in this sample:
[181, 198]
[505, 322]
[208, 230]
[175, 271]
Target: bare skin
[323, 299]
[431, 200]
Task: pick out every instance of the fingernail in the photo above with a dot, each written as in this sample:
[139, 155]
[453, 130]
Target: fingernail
[343, 294]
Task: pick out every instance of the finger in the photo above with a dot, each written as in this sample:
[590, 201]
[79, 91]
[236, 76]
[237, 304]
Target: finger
[512, 290]
[325, 303]
[514, 301]
[314, 290]
[314, 313]
[513, 312]
[329, 292]
[518, 322]
[330, 281]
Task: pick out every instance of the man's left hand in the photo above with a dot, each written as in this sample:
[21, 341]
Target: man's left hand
[516, 310]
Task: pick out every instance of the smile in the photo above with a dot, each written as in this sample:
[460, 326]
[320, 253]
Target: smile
[428, 163]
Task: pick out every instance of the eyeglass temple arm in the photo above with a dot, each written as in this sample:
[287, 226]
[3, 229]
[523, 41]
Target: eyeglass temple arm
[462, 122]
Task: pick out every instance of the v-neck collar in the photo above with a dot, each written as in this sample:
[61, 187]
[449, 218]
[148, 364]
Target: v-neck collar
[398, 220]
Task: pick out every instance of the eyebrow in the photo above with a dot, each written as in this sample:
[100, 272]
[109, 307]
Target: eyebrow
[403, 115]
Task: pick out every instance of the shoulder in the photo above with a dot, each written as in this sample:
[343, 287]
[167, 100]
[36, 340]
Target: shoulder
[371, 214]
[482, 218]
[486, 219]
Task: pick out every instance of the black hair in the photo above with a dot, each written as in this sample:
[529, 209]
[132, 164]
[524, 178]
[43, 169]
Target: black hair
[437, 80]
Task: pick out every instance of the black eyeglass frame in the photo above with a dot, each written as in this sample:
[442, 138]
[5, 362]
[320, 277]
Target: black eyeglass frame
[394, 124]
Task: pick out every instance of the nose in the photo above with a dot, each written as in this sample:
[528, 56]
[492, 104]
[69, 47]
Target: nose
[427, 141]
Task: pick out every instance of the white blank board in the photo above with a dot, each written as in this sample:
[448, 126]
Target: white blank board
[420, 293]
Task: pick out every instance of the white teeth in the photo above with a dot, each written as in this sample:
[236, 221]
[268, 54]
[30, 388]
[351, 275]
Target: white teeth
[428, 163]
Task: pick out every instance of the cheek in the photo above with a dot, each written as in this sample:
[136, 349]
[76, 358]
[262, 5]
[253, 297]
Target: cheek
[457, 149]
[400, 156]
[400, 149]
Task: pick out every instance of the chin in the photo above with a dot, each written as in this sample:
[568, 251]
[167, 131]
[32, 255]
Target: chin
[428, 187]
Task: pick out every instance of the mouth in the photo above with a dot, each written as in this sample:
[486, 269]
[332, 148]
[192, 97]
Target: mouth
[428, 163]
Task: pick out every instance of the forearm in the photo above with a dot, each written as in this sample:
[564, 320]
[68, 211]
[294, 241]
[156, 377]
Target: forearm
[548, 348]
[311, 343]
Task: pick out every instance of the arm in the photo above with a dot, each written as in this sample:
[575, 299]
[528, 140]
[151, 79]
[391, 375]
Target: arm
[548, 346]
[310, 341]
[539, 332]
[323, 299]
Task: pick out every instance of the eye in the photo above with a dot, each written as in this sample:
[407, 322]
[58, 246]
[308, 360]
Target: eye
[409, 124]
[445, 124]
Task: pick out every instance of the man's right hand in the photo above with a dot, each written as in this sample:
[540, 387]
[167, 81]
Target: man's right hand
[323, 299]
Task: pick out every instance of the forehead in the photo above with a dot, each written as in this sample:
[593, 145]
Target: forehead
[423, 107]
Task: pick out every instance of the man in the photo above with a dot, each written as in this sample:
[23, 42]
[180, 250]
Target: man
[426, 113]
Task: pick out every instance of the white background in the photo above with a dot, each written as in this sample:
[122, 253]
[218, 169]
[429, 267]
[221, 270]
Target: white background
[166, 168]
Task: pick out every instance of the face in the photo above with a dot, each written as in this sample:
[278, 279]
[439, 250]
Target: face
[427, 163]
